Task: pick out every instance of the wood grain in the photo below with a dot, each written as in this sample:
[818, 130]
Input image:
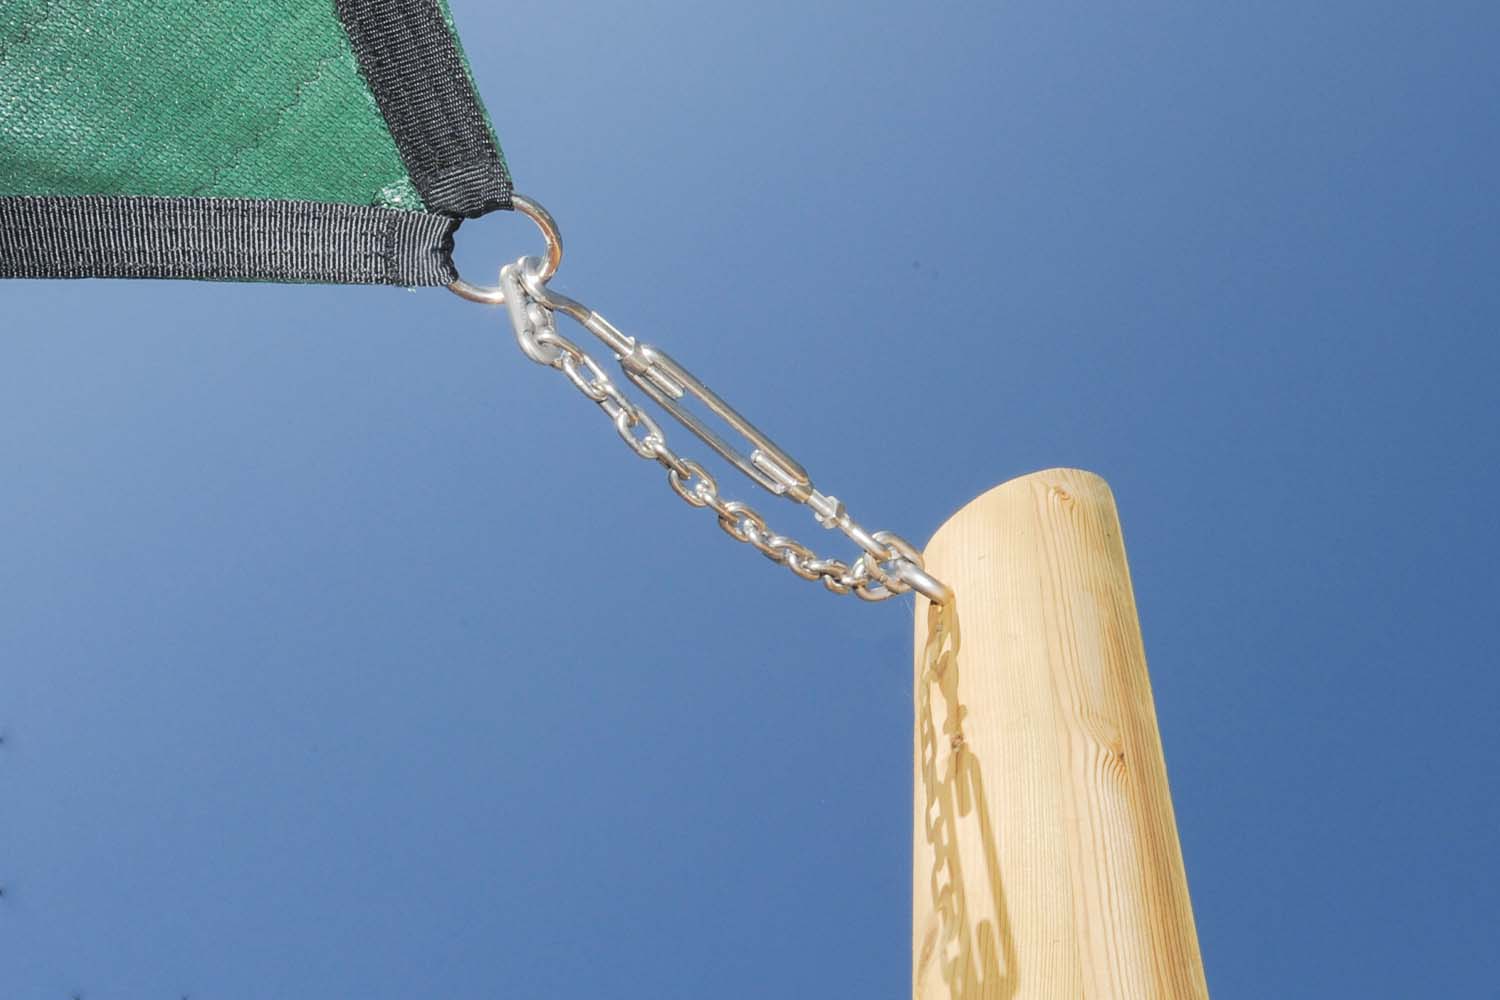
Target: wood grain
[1046, 860]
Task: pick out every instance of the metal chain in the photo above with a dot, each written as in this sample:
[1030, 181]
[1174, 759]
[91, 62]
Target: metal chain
[888, 564]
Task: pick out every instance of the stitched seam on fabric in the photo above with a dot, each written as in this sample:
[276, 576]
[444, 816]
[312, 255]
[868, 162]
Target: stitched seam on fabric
[205, 239]
[259, 140]
[300, 216]
[389, 250]
[388, 38]
[372, 260]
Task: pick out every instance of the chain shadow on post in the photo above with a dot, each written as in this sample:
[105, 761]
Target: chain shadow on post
[967, 951]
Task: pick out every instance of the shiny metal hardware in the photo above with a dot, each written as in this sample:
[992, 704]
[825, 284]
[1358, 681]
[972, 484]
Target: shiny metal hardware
[493, 295]
[668, 382]
[888, 564]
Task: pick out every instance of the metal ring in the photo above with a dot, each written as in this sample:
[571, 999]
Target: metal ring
[494, 295]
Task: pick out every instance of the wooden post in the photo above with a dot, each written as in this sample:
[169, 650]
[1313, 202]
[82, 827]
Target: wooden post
[1045, 861]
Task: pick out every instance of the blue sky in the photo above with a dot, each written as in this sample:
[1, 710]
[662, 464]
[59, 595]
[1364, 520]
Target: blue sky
[345, 652]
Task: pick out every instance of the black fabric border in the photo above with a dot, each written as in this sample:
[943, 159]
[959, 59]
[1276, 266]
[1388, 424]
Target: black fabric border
[413, 66]
[223, 239]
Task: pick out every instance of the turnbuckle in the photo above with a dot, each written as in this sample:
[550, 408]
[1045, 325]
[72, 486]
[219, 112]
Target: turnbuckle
[886, 558]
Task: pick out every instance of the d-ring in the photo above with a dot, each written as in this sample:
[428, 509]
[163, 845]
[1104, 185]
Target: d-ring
[494, 295]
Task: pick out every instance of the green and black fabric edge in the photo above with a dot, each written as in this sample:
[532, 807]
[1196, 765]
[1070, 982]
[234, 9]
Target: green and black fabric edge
[223, 239]
[413, 65]
[417, 74]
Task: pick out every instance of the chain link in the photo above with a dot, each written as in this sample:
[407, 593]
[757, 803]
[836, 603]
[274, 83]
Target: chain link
[889, 565]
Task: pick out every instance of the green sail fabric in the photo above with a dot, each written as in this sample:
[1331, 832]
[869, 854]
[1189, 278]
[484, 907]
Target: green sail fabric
[260, 99]
[299, 106]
